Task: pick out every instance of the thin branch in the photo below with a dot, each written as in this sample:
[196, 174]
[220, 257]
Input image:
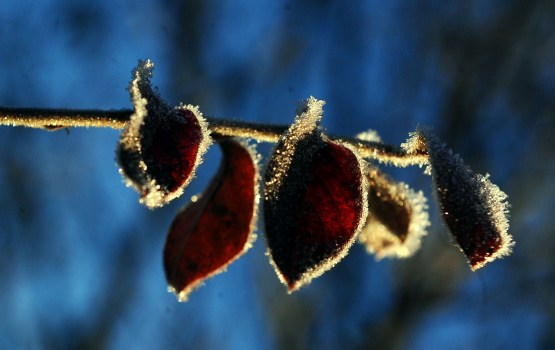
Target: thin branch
[54, 119]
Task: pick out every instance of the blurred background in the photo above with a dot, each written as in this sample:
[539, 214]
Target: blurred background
[80, 258]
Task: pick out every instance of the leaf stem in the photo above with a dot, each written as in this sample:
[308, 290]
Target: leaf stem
[55, 119]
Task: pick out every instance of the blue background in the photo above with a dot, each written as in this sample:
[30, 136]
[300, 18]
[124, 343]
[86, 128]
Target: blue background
[80, 259]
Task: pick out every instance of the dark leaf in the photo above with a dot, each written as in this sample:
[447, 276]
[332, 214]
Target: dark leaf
[161, 146]
[314, 200]
[474, 209]
[210, 233]
[397, 217]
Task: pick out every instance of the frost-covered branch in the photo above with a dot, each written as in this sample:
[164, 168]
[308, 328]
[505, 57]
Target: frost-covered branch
[319, 193]
[55, 119]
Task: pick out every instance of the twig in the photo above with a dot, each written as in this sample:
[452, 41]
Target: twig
[54, 119]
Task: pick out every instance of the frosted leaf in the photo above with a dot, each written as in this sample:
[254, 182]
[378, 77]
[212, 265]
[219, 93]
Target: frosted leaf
[161, 146]
[397, 217]
[475, 209]
[314, 200]
[218, 227]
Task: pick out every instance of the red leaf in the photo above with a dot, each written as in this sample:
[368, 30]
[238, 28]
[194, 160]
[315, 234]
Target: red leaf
[313, 205]
[161, 146]
[210, 233]
[474, 209]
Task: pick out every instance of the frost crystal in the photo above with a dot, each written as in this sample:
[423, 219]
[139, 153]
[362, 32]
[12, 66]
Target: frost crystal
[369, 135]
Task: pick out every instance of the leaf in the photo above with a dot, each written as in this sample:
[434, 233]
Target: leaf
[474, 209]
[161, 146]
[314, 200]
[397, 217]
[209, 234]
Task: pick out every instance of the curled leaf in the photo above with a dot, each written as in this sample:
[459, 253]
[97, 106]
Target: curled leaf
[474, 209]
[161, 146]
[211, 232]
[314, 200]
[397, 217]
